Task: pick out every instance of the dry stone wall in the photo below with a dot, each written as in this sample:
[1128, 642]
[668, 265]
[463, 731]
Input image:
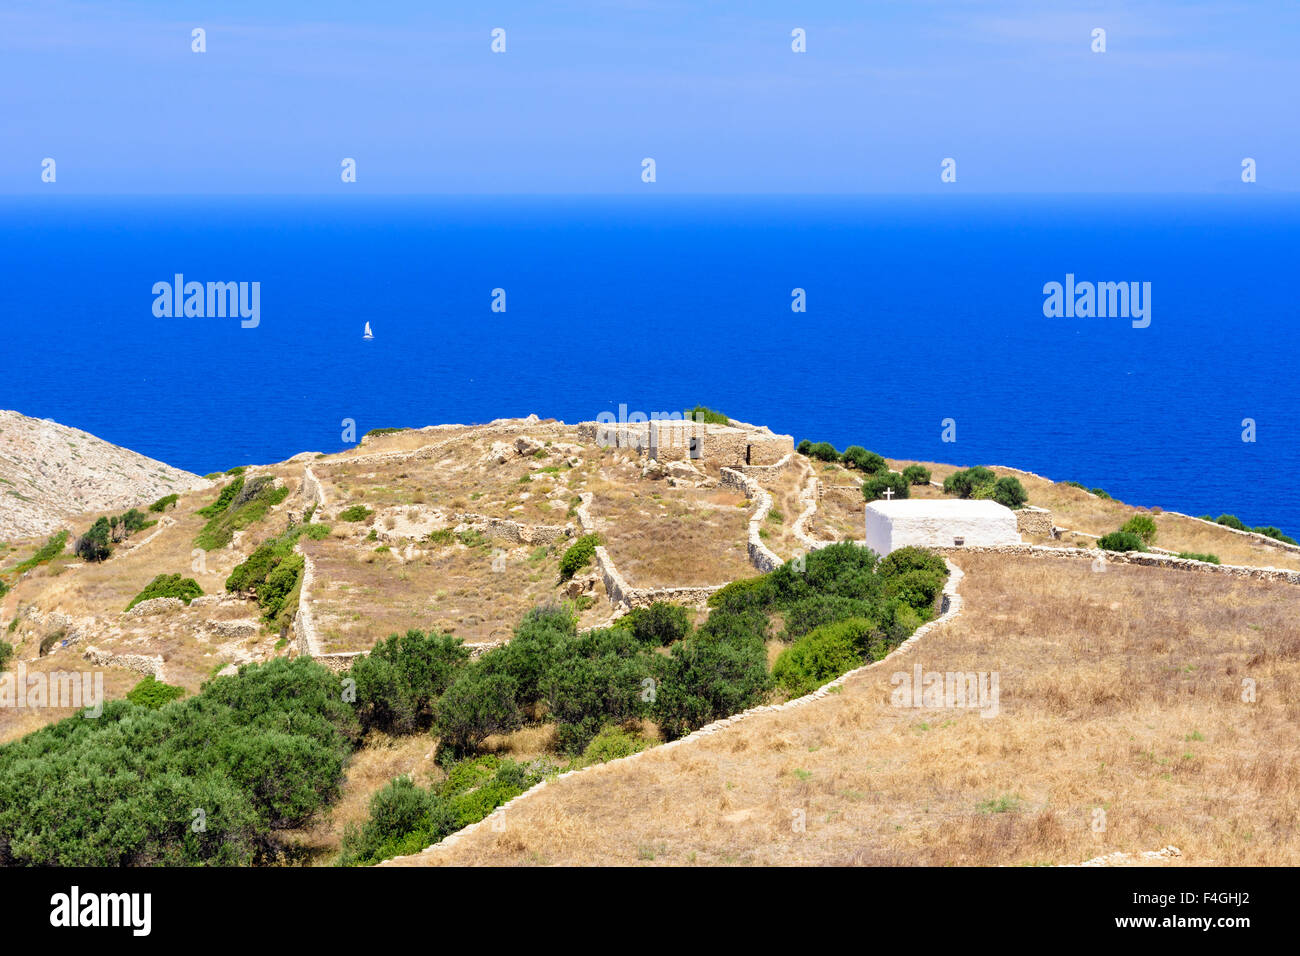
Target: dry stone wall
[1144, 558]
[1031, 520]
[140, 663]
[760, 555]
[515, 531]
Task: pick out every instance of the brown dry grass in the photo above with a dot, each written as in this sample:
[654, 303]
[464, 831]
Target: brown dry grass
[1119, 691]
[361, 596]
[673, 537]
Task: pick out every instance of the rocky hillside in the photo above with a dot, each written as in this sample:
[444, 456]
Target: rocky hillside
[50, 472]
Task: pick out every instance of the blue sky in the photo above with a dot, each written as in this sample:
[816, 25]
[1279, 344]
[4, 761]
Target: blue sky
[711, 90]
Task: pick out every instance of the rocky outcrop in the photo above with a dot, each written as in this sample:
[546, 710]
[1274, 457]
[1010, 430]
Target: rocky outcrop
[50, 473]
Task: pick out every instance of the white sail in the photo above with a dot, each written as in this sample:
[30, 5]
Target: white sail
[369, 334]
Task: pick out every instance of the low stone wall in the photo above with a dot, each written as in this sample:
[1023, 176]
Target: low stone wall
[808, 498]
[951, 608]
[1144, 558]
[339, 661]
[515, 531]
[848, 496]
[759, 471]
[760, 555]
[1031, 520]
[304, 626]
[140, 663]
[159, 605]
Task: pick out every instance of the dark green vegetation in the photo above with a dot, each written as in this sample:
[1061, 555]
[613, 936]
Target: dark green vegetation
[981, 482]
[578, 555]
[153, 693]
[240, 504]
[207, 780]
[917, 474]
[97, 543]
[1144, 526]
[706, 415]
[168, 586]
[1196, 556]
[355, 513]
[263, 751]
[875, 486]
[384, 431]
[1121, 541]
[273, 573]
[1268, 531]
[6, 652]
[163, 503]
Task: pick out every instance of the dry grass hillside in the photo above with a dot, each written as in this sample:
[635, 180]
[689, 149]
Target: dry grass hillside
[1119, 691]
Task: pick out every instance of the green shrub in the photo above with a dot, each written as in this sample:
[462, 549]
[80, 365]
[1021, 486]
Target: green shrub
[403, 819]
[659, 624]
[400, 680]
[355, 513]
[95, 545]
[476, 705]
[865, 461]
[1121, 541]
[1194, 556]
[163, 503]
[823, 451]
[224, 498]
[384, 431]
[1075, 484]
[245, 503]
[917, 475]
[701, 413]
[966, 482]
[743, 594]
[1276, 533]
[821, 655]
[6, 653]
[260, 752]
[1100, 493]
[815, 610]
[612, 743]
[168, 586]
[875, 486]
[153, 693]
[1008, 491]
[804, 447]
[704, 680]
[51, 549]
[578, 555]
[593, 679]
[1144, 526]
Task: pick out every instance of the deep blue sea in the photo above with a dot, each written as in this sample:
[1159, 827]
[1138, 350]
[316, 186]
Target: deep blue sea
[918, 309]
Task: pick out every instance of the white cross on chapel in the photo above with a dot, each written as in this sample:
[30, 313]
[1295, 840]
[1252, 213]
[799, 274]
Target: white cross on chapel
[889, 493]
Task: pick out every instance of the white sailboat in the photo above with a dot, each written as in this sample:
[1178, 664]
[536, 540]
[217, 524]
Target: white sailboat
[369, 334]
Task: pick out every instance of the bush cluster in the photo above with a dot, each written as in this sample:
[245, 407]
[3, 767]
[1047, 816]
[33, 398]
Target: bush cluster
[240, 504]
[1121, 541]
[1232, 521]
[876, 485]
[273, 573]
[259, 753]
[578, 555]
[168, 586]
[981, 483]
